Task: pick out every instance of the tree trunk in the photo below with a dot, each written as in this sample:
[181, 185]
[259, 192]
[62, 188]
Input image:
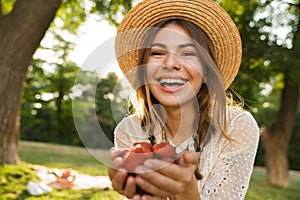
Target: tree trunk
[59, 103]
[20, 34]
[276, 138]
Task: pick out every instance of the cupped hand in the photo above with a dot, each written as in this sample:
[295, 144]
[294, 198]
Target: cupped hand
[163, 180]
[120, 180]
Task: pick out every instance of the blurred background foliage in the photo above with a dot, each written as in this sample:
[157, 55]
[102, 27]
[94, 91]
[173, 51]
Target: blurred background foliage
[268, 58]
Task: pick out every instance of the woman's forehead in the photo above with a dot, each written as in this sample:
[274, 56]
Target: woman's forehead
[172, 33]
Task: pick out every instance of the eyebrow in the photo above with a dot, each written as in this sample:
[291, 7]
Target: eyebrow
[187, 45]
[159, 45]
[181, 46]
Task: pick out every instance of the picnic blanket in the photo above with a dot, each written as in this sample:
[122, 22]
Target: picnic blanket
[54, 178]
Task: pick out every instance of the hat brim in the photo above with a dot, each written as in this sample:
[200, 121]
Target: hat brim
[206, 14]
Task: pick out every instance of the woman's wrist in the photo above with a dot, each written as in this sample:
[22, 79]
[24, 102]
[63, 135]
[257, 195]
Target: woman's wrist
[191, 192]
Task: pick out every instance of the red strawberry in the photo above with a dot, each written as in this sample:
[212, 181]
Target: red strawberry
[163, 150]
[142, 151]
[143, 144]
[136, 157]
[66, 173]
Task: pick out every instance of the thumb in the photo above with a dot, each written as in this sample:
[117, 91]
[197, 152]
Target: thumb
[189, 157]
[193, 158]
[114, 152]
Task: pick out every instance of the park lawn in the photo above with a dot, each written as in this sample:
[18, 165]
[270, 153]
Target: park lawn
[13, 179]
[260, 190]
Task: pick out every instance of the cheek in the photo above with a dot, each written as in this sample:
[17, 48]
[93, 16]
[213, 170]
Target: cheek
[196, 69]
[197, 74]
[198, 87]
[150, 73]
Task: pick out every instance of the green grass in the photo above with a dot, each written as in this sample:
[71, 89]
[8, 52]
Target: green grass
[61, 156]
[260, 190]
[13, 179]
[13, 186]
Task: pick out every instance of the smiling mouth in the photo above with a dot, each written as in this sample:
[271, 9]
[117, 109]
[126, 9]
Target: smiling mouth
[171, 83]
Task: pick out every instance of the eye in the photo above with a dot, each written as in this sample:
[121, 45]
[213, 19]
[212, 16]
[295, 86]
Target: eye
[157, 53]
[188, 53]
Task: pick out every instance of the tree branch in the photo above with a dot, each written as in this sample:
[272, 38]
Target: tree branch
[26, 25]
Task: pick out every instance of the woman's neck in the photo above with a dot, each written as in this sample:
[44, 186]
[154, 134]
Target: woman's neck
[180, 123]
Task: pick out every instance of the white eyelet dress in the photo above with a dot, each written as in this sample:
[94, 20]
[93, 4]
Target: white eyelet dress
[226, 165]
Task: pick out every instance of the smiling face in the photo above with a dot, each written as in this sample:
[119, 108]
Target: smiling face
[173, 58]
[173, 69]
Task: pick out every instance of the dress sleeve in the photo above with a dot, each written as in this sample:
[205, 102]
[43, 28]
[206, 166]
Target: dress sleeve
[127, 132]
[231, 173]
[122, 140]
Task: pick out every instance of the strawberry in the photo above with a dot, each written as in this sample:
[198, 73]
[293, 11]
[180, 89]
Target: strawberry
[143, 144]
[136, 157]
[66, 173]
[164, 150]
[142, 151]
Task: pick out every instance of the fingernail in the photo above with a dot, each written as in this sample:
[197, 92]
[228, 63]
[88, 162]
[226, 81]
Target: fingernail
[139, 180]
[122, 170]
[142, 170]
[114, 151]
[119, 159]
[139, 170]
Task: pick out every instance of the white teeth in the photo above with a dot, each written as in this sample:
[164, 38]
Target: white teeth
[172, 81]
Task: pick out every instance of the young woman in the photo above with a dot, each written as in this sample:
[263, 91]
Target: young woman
[181, 56]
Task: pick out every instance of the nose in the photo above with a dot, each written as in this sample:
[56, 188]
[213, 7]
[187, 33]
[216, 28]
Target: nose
[172, 61]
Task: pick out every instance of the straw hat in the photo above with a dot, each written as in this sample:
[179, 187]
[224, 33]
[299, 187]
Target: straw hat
[206, 14]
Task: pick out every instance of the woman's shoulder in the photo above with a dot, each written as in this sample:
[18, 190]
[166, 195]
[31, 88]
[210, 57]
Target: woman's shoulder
[132, 120]
[235, 112]
[127, 131]
[240, 120]
[130, 125]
